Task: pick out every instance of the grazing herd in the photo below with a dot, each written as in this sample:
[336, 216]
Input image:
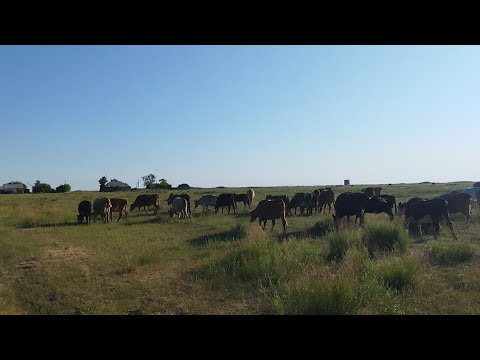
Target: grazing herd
[417, 211]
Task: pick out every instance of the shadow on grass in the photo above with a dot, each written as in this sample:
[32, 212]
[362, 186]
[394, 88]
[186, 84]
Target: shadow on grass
[236, 233]
[40, 226]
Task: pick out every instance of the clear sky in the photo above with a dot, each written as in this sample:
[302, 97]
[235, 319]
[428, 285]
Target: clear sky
[239, 115]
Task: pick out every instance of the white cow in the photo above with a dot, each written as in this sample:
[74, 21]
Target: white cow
[473, 192]
[180, 207]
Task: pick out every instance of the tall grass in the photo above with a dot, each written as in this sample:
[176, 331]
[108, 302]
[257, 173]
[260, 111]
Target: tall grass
[346, 290]
[398, 273]
[450, 253]
[386, 237]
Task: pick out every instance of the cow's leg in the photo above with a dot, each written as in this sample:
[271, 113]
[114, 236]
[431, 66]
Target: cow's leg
[273, 223]
[145, 208]
[450, 226]
[284, 222]
[264, 224]
[362, 218]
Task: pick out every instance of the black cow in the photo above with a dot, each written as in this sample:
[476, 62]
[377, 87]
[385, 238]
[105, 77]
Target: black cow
[303, 200]
[458, 203]
[242, 198]
[285, 199]
[418, 211]
[377, 205]
[390, 200]
[85, 210]
[145, 200]
[348, 204]
[226, 200]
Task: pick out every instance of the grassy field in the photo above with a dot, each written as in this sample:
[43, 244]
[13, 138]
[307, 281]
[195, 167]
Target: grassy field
[223, 264]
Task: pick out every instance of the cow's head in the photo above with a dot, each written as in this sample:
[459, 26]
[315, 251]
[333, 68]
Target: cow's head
[170, 212]
[401, 209]
[196, 203]
[79, 218]
[337, 222]
[253, 215]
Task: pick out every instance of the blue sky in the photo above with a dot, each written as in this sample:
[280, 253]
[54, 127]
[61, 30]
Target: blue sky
[239, 115]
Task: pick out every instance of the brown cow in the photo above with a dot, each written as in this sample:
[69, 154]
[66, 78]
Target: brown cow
[102, 207]
[120, 206]
[458, 203]
[326, 197]
[418, 211]
[371, 191]
[146, 200]
[270, 210]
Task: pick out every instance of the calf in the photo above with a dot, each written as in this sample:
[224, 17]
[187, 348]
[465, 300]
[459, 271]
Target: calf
[84, 211]
[271, 209]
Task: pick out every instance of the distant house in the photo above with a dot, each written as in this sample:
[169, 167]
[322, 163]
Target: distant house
[183, 187]
[13, 187]
[115, 185]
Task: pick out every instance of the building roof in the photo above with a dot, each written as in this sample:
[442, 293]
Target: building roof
[116, 183]
[10, 186]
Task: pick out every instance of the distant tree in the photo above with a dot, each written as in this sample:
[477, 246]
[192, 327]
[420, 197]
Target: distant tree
[41, 188]
[63, 188]
[163, 184]
[183, 186]
[148, 179]
[103, 180]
